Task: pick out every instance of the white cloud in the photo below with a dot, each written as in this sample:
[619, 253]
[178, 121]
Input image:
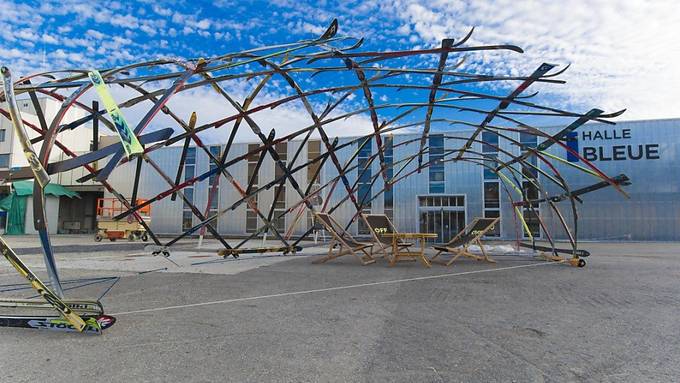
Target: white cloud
[203, 24]
[623, 54]
[49, 39]
[96, 34]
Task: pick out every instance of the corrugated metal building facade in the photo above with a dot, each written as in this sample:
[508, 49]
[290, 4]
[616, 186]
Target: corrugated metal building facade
[441, 199]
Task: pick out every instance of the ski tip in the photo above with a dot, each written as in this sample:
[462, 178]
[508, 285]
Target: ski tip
[616, 114]
[330, 31]
[105, 321]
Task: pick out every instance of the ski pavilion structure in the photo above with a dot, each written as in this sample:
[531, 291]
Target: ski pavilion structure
[431, 93]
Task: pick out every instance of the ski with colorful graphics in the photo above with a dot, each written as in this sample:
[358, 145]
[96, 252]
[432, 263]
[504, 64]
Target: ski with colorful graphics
[92, 324]
[41, 175]
[128, 139]
[81, 307]
[43, 290]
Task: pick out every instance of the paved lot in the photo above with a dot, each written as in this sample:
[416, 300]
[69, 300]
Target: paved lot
[284, 320]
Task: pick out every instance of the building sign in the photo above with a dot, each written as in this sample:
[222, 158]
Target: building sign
[609, 145]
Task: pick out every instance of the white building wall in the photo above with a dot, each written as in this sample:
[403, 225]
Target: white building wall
[51, 211]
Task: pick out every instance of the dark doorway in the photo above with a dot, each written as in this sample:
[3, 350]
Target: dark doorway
[78, 216]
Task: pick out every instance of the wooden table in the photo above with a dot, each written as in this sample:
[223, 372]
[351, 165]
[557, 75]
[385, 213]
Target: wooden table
[419, 255]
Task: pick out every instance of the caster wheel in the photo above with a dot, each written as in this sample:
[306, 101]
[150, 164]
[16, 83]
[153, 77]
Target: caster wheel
[165, 253]
[131, 237]
[145, 237]
[581, 263]
[98, 237]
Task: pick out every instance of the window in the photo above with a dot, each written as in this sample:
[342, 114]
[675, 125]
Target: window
[491, 184]
[2, 135]
[364, 174]
[531, 211]
[388, 195]
[4, 160]
[436, 168]
[490, 142]
[491, 163]
[491, 195]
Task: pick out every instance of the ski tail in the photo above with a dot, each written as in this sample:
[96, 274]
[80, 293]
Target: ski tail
[93, 324]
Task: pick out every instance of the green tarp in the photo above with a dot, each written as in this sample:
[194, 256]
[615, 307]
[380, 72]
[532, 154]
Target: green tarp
[24, 188]
[15, 203]
[16, 214]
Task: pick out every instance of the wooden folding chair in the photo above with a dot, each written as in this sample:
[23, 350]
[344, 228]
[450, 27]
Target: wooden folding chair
[379, 225]
[347, 243]
[470, 235]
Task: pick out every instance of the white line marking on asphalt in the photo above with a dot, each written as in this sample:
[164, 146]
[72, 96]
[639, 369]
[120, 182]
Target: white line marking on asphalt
[303, 292]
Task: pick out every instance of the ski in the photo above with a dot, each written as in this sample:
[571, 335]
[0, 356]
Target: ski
[436, 82]
[38, 170]
[41, 178]
[115, 159]
[538, 73]
[80, 307]
[578, 253]
[621, 179]
[92, 324]
[561, 135]
[40, 287]
[128, 139]
[258, 250]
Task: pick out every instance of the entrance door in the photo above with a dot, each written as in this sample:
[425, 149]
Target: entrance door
[441, 215]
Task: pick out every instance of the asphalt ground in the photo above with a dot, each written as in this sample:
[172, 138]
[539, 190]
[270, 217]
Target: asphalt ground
[282, 319]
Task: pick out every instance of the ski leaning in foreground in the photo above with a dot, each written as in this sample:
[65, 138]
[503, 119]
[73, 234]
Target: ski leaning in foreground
[69, 320]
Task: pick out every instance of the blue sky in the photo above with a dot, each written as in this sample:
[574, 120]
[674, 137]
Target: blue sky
[622, 54]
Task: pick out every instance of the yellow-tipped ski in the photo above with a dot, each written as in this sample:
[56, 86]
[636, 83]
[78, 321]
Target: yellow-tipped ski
[68, 314]
[130, 143]
[41, 176]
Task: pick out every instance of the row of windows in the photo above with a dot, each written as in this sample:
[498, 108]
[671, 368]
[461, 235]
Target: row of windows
[364, 184]
[443, 201]
[388, 195]
[436, 168]
[530, 141]
[189, 173]
[492, 200]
